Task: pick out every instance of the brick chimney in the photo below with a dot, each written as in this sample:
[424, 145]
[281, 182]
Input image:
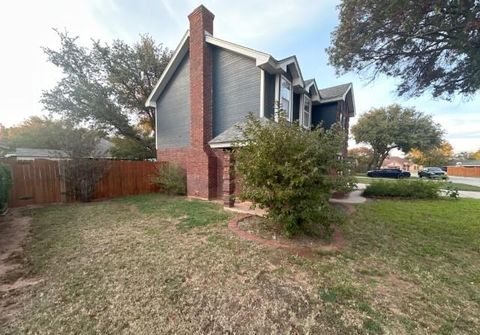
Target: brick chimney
[201, 163]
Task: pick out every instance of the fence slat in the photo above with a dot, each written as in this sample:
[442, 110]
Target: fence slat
[464, 171]
[40, 181]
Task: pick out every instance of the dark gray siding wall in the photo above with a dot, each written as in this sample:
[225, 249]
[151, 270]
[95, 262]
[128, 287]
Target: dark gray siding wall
[236, 89]
[173, 110]
[326, 113]
[296, 106]
[269, 95]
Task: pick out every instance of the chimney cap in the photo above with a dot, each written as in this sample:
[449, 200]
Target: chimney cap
[202, 9]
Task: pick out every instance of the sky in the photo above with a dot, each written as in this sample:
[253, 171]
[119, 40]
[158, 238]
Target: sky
[281, 28]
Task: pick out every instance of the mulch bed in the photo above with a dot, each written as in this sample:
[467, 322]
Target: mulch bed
[254, 228]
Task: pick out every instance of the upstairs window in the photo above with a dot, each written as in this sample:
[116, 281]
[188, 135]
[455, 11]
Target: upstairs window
[286, 97]
[306, 111]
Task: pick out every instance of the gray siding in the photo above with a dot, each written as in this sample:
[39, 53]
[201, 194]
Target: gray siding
[269, 109]
[236, 89]
[326, 113]
[173, 110]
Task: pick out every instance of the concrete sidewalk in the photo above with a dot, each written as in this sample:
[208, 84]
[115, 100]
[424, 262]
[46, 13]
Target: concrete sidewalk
[469, 194]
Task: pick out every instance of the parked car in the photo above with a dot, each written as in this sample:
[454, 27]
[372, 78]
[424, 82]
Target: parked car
[388, 173]
[433, 172]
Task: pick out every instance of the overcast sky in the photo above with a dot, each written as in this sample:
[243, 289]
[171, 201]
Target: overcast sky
[281, 28]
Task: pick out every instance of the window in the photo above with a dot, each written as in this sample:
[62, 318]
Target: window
[286, 97]
[306, 112]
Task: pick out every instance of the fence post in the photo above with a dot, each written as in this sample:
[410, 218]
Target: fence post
[63, 186]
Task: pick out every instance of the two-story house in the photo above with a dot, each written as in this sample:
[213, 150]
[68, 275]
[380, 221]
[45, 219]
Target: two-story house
[211, 84]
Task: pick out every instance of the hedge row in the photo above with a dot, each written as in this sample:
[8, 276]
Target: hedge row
[415, 189]
[5, 186]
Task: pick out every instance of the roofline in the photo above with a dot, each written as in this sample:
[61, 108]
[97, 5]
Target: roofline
[261, 58]
[353, 100]
[342, 98]
[172, 65]
[314, 83]
[282, 64]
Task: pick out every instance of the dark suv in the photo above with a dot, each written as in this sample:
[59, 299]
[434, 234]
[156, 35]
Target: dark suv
[432, 172]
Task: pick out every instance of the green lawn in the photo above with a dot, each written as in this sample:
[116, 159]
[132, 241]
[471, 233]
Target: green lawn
[460, 186]
[158, 265]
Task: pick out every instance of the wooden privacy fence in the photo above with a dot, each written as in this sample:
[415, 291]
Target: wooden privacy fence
[464, 171]
[41, 181]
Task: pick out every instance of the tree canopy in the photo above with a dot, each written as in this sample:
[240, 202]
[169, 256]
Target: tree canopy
[430, 45]
[396, 127]
[105, 86]
[437, 156]
[46, 133]
[360, 157]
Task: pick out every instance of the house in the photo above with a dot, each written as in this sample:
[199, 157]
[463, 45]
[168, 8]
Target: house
[210, 85]
[394, 162]
[102, 150]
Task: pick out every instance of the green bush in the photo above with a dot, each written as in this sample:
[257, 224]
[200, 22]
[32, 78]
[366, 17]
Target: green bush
[415, 189]
[291, 172]
[171, 179]
[5, 186]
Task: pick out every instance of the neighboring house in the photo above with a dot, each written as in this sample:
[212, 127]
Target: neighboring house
[102, 151]
[400, 163]
[210, 85]
[466, 163]
[28, 154]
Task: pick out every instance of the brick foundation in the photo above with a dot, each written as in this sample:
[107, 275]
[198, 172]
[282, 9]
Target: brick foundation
[228, 179]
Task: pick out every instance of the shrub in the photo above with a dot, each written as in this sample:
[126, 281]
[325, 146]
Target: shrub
[291, 171]
[452, 191]
[82, 175]
[416, 189]
[5, 186]
[171, 179]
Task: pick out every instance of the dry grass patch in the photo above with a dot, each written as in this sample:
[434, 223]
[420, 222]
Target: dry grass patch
[157, 264]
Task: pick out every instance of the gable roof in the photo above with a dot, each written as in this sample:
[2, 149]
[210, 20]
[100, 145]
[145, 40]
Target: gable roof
[334, 93]
[312, 83]
[263, 60]
[337, 93]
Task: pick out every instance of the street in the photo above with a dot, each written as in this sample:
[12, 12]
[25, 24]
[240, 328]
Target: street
[465, 180]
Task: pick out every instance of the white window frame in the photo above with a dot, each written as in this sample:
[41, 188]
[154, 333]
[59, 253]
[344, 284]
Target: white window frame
[279, 93]
[302, 112]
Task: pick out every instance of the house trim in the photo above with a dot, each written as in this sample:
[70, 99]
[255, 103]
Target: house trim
[290, 102]
[277, 95]
[316, 96]
[292, 60]
[262, 93]
[302, 110]
[261, 58]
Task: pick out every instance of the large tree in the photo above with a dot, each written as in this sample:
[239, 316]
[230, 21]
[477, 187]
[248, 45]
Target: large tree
[396, 127]
[437, 156]
[360, 157]
[106, 86]
[431, 45]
